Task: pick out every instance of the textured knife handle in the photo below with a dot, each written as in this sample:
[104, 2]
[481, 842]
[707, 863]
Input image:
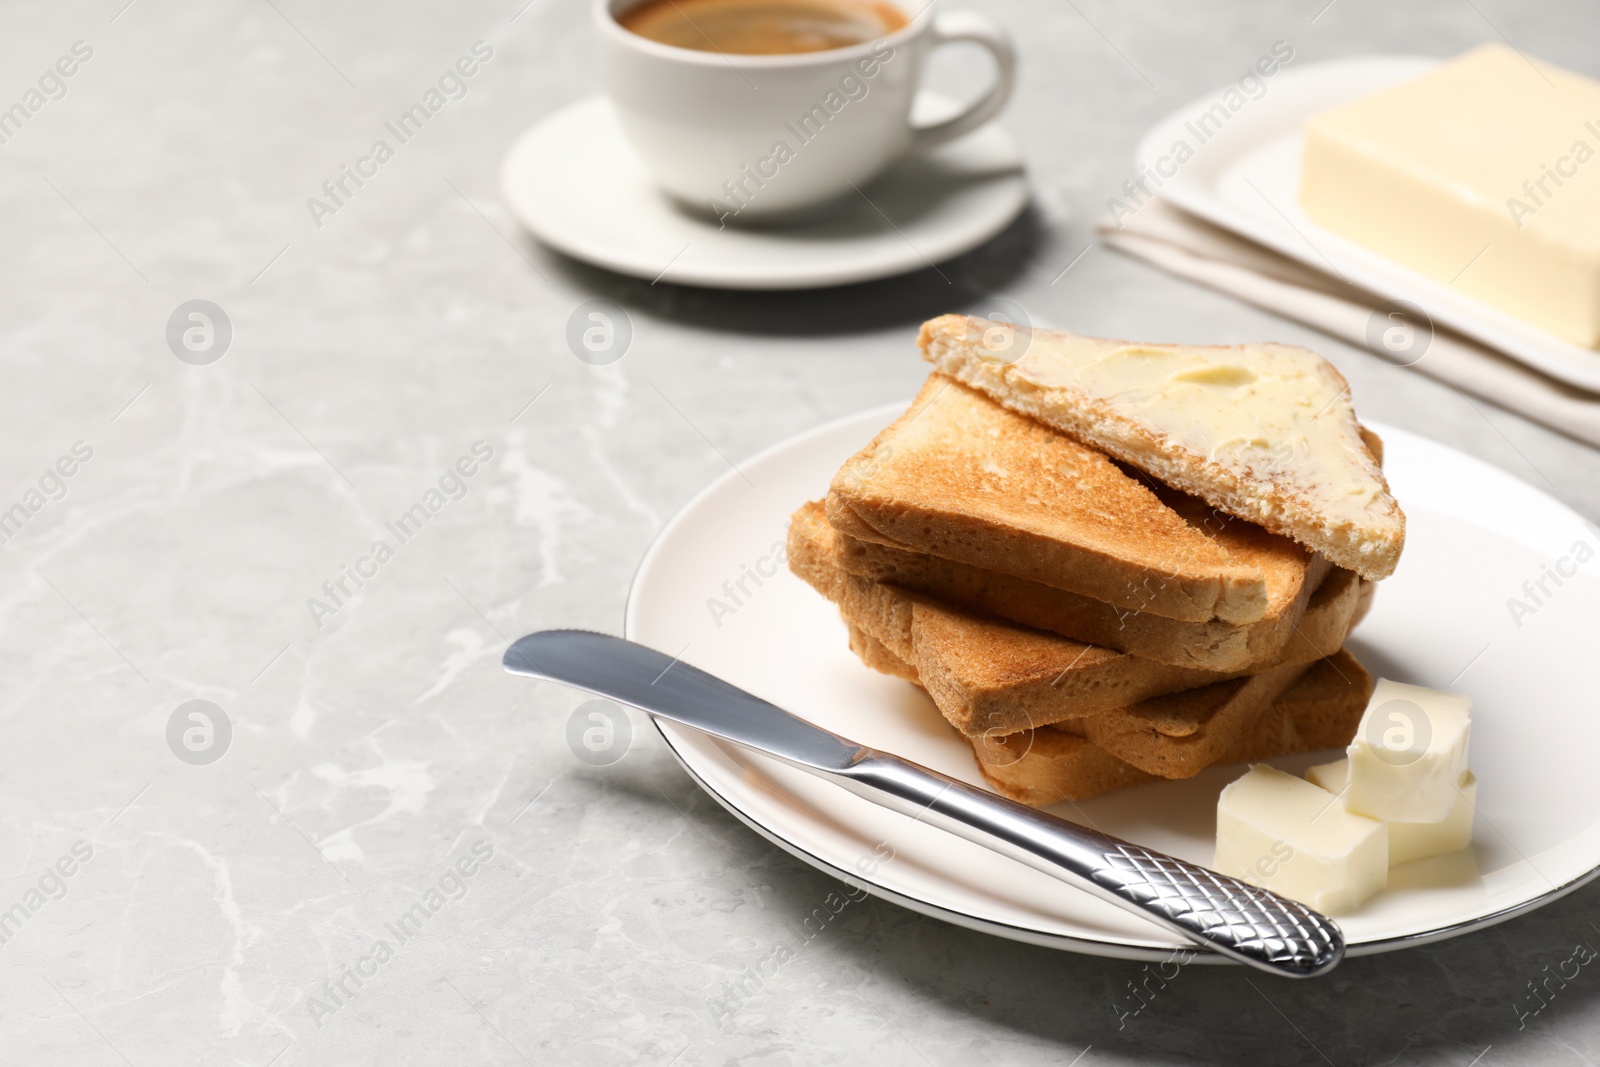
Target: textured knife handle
[1219, 913]
[1239, 920]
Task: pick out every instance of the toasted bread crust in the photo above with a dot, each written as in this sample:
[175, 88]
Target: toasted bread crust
[1273, 499]
[961, 478]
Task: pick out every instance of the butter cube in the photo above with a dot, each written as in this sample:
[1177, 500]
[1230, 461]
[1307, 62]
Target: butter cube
[1284, 834]
[1415, 840]
[1409, 753]
[1480, 174]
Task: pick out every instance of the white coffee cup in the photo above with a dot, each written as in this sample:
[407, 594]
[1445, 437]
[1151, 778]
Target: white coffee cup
[761, 137]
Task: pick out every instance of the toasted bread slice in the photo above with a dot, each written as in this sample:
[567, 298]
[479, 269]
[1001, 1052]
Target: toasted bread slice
[1178, 735]
[1319, 709]
[1265, 432]
[961, 478]
[989, 676]
[1037, 767]
[1322, 709]
[1291, 573]
[876, 654]
[1046, 767]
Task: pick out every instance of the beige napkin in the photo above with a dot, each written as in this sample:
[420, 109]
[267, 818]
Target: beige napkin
[1192, 248]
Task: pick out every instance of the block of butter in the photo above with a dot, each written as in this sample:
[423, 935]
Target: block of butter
[1481, 174]
[1409, 753]
[1284, 834]
[1415, 840]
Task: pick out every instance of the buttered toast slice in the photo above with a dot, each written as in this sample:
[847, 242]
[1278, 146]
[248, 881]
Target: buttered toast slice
[960, 477]
[1264, 431]
[990, 676]
[1322, 709]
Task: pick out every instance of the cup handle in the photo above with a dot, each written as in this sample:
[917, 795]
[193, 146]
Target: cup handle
[979, 29]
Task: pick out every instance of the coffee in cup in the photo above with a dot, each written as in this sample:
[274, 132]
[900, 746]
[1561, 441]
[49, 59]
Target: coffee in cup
[762, 27]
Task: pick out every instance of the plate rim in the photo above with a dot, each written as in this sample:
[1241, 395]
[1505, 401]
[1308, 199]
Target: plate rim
[1502, 333]
[848, 271]
[1101, 947]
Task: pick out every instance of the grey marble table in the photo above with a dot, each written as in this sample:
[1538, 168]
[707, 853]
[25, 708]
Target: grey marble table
[383, 783]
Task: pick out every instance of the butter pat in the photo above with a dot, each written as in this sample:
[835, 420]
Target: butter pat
[1415, 840]
[1284, 834]
[1409, 753]
[1483, 175]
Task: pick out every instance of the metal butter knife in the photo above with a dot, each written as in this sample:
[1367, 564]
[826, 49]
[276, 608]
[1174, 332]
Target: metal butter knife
[1222, 914]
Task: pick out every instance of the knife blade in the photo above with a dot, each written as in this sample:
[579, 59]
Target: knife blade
[1217, 913]
[646, 679]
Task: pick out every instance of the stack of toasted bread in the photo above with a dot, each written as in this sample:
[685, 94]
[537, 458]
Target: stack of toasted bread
[1111, 563]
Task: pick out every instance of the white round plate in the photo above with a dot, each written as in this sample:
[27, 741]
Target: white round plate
[573, 181]
[1246, 178]
[714, 590]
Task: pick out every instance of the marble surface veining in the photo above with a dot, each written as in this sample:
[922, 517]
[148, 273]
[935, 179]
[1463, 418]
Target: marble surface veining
[398, 859]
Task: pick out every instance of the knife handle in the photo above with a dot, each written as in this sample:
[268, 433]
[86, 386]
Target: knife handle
[1243, 922]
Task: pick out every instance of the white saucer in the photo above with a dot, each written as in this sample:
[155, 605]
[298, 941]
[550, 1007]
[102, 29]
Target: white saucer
[573, 181]
[1246, 179]
[714, 590]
